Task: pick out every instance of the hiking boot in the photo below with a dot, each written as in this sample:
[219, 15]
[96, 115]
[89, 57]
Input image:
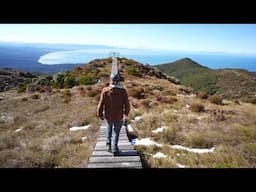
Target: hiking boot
[116, 151]
[108, 143]
[108, 146]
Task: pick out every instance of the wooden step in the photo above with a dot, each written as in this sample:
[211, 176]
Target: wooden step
[128, 157]
[121, 147]
[122, 153]
[131, 165]
[114, 159]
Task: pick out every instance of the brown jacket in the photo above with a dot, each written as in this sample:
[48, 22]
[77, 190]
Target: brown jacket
[114, 101]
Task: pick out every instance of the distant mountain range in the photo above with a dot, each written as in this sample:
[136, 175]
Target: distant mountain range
[51, 58]
[229, 83]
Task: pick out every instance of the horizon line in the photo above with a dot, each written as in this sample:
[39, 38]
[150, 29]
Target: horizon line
[140, 48]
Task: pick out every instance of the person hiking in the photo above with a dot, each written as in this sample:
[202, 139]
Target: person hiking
[116, 107]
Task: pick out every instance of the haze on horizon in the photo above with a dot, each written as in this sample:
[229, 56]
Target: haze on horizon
[225, 38]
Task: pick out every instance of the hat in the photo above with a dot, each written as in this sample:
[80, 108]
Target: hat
[116, 77]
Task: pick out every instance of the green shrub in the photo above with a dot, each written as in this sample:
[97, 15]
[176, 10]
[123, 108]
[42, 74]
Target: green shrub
[104, 74]
[69, 82]
[133, 71]
[58, 80]
[87, 79]
[44, 81]
[22, 88]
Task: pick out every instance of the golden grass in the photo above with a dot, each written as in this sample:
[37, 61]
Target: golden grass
[215, 99]
[233, 135]
[196, 107]
[43, 138]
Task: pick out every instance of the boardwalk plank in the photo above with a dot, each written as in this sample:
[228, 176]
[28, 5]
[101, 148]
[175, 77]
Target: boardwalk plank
[132, 165]
[122, 153]
[123, 142]
[115, 159]
[121, 147]
[120, 136]
[104, 139]
[127, 158]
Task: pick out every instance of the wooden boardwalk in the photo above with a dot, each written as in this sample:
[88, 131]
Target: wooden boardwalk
[127, 158]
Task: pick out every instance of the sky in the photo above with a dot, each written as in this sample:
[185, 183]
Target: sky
[225, 38]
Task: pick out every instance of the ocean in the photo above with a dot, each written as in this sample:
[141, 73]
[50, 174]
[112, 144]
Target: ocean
[152, 57]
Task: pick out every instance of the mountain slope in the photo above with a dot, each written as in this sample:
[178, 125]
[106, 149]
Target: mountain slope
[182, 66]
[229, 83]
[35, 124]
[235, 83]
[10, 78]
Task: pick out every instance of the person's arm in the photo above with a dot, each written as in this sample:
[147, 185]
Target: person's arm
[126, 105]
[100, 106]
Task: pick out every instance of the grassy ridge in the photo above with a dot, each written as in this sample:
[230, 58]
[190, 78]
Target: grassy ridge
[35, 124]
[229, 83]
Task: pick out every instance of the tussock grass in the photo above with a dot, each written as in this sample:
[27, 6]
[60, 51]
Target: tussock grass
[168, 136]
[244, 133]
[162, 162]
[199, 140]
[35, 96]
[134, 113]
[202, 95]
[41, 108]
[233, 135]
[8, 142]
[224, 157]
[215, 99]
[197, 107]
[44, 139]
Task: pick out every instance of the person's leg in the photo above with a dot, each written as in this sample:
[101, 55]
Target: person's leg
[117, 128]
[109, 134]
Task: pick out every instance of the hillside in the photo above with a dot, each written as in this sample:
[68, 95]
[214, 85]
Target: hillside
[35, 122]
[10, 78]
[228, 83]
[35, 125]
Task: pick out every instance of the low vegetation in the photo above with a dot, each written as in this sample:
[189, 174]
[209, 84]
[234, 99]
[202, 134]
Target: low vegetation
[227, 83]
[35, 122]
[228, 130]
[35, 132]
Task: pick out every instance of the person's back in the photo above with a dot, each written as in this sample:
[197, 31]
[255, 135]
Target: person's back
[115, 104]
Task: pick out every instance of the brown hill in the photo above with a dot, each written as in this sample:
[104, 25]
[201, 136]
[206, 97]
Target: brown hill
[35, 124]
[228, 83]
